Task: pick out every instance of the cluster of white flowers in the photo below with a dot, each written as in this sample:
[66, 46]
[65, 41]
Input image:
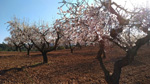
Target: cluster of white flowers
[90, 23]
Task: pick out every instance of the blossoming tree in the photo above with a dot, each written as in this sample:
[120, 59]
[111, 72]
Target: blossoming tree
[43, 37]
[101, 21]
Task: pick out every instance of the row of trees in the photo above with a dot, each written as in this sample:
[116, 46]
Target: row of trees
[83, 23]
[41, 36]
[5, 47]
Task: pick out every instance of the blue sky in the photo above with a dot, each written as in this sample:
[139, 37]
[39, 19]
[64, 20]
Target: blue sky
[32, 10]
[35, 10]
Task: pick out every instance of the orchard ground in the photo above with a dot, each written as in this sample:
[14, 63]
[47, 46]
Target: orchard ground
[63, 67]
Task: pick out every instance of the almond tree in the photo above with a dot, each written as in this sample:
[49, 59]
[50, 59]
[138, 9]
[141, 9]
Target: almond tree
[67, 38]
[102, 21]
[45, 39]
[26, 35]
[20, 34]
[13, 43]
[15, 38]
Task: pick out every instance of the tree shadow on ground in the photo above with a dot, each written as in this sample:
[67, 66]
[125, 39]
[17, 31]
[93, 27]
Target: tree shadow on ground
[51, 55]
[58, 54]
[36, 55]
[2, 72]
[7, 56]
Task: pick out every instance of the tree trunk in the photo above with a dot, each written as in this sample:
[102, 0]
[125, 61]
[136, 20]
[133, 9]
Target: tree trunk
[28, 48]
[16, 48]
[78, 45]
[20, 49]
[114, 78]
[71, 50]
[66, 46]
[85, 44]
[28, 52]
[45, 59]
[122, 63]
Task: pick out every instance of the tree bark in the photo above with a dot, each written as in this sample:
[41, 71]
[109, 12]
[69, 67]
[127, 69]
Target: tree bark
[71, 50]
[16, 48]
[122, 63]
[28, 52]
[70, 46]
[28, 48]
[114, 78]
[78, 45]
[20, 49]
[45, 59]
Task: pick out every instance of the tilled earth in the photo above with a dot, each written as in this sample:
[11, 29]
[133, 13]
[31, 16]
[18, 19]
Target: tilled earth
[63, 67]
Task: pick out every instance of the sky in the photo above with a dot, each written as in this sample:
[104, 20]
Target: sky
[35, 10]
[32, 10]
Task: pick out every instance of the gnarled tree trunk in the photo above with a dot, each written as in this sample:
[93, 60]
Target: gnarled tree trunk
[114, 78]
[130, 54]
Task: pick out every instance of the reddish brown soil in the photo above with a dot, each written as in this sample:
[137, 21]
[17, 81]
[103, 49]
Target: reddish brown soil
[81, 67]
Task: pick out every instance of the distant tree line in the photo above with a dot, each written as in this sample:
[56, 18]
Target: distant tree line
[5, 47]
